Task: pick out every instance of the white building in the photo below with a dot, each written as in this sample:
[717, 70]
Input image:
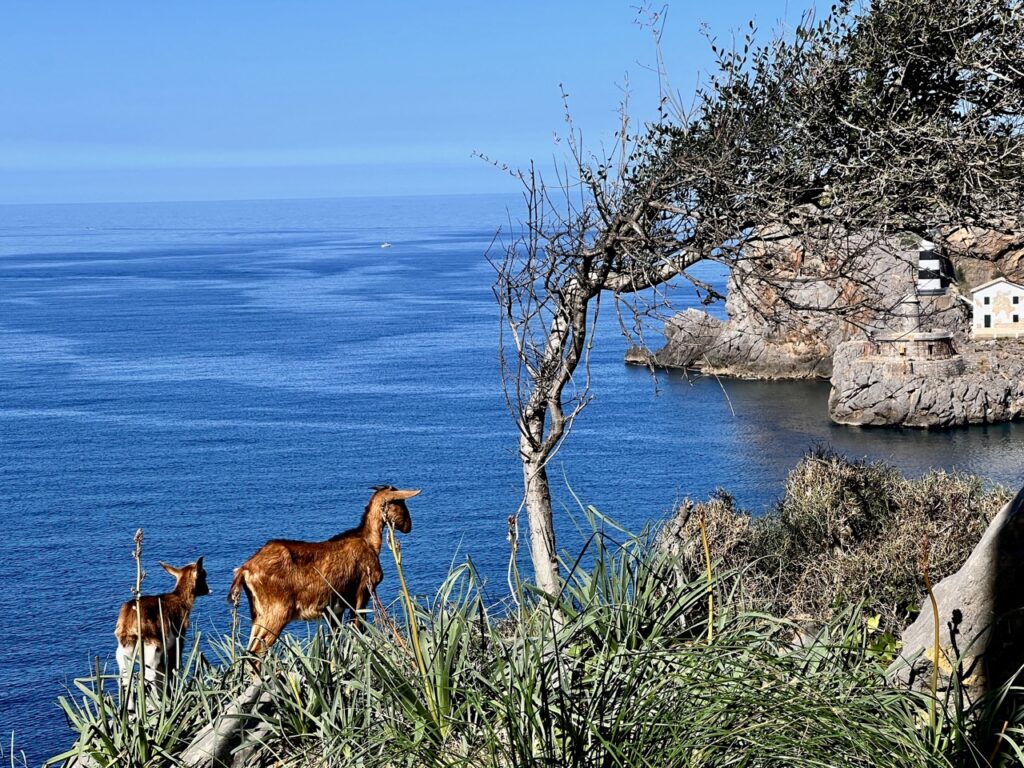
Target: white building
[998, 309]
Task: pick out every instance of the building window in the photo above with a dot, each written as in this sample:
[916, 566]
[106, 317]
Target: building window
[988, 321]
[987, 300]
[1016, 318]
[931, 350]
[1016, 299]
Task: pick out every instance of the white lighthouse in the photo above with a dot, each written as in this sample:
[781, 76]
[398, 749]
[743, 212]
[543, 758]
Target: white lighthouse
[914, 344]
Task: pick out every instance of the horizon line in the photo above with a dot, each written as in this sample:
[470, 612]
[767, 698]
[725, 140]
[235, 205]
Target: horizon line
[258, 199]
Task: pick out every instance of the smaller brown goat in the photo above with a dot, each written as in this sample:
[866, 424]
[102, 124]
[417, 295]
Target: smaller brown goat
[288, 580]
[165, 620]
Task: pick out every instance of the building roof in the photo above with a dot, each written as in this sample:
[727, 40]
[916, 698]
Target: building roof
[990, 283]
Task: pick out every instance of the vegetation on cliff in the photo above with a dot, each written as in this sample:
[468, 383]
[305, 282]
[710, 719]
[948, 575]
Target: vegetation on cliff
[843, 532]
[659, 657]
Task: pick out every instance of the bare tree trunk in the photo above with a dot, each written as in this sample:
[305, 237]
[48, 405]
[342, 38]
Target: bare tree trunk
[539, 516]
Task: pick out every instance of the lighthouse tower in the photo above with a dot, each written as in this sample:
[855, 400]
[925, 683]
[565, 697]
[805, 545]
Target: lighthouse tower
[913, 343]
[933, 271]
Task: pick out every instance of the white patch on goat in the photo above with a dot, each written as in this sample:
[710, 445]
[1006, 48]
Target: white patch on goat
[125, 662]
[152, 659]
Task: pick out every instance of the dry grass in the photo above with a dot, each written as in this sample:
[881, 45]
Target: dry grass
[843, 532]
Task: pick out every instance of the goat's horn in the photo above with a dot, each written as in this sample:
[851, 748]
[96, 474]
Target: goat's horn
[406, 494]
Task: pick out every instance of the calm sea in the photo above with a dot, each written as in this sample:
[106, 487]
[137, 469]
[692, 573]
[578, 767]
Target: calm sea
[224, 373]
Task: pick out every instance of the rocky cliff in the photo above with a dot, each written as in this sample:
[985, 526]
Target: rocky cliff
[789, 324]
[787, 320]
[981, 255]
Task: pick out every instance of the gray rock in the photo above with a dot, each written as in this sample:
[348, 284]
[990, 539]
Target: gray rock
[639, 356]
[980, 611]
[983, 385]
[689, 335]
[215, 745]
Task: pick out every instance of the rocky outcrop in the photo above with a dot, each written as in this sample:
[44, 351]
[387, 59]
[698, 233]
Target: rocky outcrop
[983, 254]
[697, 340]
[786, 322]
[983, 385]
[229, 741]
[981, 622]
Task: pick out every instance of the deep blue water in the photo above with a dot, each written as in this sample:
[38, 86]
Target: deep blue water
[224, 373]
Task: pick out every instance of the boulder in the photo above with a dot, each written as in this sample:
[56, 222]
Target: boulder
[980, 609]
[225, 742]
[639, 356]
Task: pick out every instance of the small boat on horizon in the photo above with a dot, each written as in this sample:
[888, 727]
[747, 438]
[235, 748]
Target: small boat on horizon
[385, 244]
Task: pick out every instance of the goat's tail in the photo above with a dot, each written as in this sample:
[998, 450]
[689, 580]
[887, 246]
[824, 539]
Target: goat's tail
[235, 593]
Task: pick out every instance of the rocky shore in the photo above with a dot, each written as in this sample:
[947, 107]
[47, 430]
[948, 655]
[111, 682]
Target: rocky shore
[796, 324]
[695, 340]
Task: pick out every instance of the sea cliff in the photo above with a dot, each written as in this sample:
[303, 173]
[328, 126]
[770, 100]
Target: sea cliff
[787, 324]
[799, 323]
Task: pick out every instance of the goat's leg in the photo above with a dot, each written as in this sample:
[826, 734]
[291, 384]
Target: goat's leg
[264, 634]
[154, 668]
[256, 645]
[125, 657]
[172, 655]
[362, 600]
[125, 666]
[265, 631]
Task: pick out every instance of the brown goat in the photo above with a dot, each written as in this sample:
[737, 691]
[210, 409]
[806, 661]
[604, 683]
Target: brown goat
[165, 620]
[287, 580]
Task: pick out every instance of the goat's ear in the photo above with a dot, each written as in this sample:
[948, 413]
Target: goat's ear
[408, 494]
[199, 563]
[170, 569]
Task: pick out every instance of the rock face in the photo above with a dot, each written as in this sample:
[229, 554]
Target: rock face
[980, 616]
[697, 340]
[983, 385]
[982, 255]
[788, 324]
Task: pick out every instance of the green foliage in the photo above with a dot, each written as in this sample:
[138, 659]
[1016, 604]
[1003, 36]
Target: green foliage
[319, 698]
[862, 117]
[14, 757]
[111, 733]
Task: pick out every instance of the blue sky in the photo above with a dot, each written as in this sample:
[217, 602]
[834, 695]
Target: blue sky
[131, 101]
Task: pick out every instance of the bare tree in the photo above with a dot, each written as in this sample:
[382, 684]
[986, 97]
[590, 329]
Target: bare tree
[549, 287]
[904, 118]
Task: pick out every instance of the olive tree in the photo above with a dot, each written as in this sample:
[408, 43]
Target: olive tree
[904, 116]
